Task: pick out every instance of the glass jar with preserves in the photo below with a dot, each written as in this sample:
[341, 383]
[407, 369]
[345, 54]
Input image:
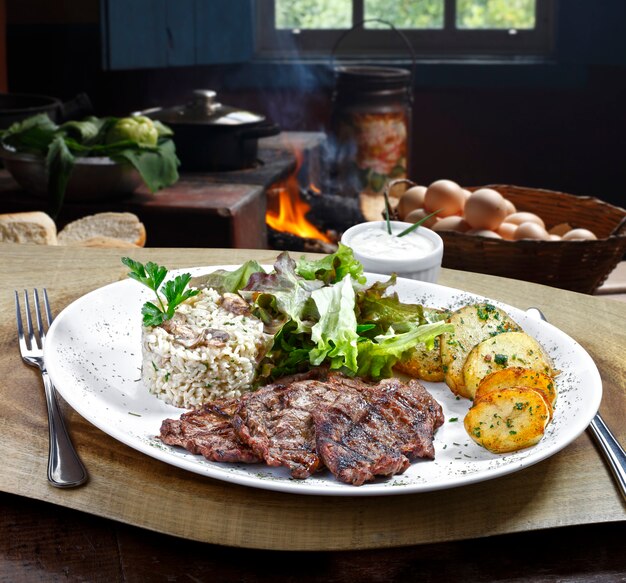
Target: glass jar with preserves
[371, 126]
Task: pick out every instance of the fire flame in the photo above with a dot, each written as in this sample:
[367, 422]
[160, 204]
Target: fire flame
[291, 215]
[286, 211]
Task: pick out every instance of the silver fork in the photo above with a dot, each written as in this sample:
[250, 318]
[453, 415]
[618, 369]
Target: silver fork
[611, 449]
[65, 469]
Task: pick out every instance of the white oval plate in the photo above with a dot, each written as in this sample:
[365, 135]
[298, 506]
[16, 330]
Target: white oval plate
[93, 354]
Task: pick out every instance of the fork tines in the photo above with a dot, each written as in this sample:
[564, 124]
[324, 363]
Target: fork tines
[33, 341]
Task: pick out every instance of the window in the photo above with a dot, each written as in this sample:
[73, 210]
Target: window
[432, 27]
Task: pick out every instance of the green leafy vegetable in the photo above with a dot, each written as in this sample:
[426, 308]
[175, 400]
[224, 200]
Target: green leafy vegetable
[288, 355]
[359, 331]
[32, 135]
[89, 131]
[332, 268]
[386, 310]
[224, 281]
[174, 291]
[290, 293]
[59, 166]
[140, 142]
[158, 168]
[335, 333]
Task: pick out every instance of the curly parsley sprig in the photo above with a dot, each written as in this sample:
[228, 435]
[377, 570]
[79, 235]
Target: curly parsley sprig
[152, 275]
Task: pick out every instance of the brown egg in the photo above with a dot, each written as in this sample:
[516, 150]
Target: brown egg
[413, 198]
[531, 230]
[519, 218]
[579, 235]
[454, 223]
[418, 215]
[560, 229]
[510, 207]
[484, 233]
[507, 230]
[485, 209]
[446, 197]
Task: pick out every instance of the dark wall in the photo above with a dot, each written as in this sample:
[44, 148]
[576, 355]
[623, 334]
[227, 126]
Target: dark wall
[563, 128]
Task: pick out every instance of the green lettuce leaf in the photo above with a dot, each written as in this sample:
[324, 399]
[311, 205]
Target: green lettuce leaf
[290, 293]
[88, 131]
[59, 166]
[332, 268]
[289, 353]
[32, 135]
[335, 333]
[158, 168]
[374, 307]
[224, 281]
[377, 357]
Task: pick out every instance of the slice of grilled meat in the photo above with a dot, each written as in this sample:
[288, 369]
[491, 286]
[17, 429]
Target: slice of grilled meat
[377, 430]
[208, 431]
[276, 423]
[354, 442]
[412, 413]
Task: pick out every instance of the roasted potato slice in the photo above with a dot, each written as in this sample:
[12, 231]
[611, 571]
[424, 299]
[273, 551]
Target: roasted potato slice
[420, 362]
[517, 376]
[472, 324]
[507, 420]
[500, 352]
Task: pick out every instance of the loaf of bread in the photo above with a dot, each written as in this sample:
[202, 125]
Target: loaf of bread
[30, 227]
[104, 230]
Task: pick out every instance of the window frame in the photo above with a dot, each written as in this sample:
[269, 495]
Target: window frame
[448, 41]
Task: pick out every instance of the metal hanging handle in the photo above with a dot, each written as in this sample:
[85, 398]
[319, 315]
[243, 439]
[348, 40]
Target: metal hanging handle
[402, 36]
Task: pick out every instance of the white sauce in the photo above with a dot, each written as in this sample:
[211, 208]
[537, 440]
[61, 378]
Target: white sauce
[377, 242]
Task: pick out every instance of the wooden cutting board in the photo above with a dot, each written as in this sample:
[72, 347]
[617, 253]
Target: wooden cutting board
[572, 487]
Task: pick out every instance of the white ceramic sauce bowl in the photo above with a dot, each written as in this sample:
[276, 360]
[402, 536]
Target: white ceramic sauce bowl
[423, 265]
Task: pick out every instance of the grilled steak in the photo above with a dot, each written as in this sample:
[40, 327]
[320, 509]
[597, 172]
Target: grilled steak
[208, 431]
[377, 431]
[412, 413]
[356, 429]
[353, 441]
[276, 423]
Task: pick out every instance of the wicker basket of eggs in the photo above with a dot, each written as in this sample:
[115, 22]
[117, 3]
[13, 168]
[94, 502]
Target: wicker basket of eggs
[557, 239]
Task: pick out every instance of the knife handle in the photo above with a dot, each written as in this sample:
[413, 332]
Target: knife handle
[613, 451]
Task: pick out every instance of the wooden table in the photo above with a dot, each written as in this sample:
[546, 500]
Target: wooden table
[561, 519]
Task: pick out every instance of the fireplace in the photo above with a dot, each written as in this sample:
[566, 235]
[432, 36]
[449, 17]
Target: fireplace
[306, 211]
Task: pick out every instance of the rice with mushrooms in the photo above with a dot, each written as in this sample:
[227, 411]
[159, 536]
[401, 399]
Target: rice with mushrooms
[203, 353]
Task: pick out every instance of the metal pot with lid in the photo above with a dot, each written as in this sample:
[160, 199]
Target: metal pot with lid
[210, 136]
